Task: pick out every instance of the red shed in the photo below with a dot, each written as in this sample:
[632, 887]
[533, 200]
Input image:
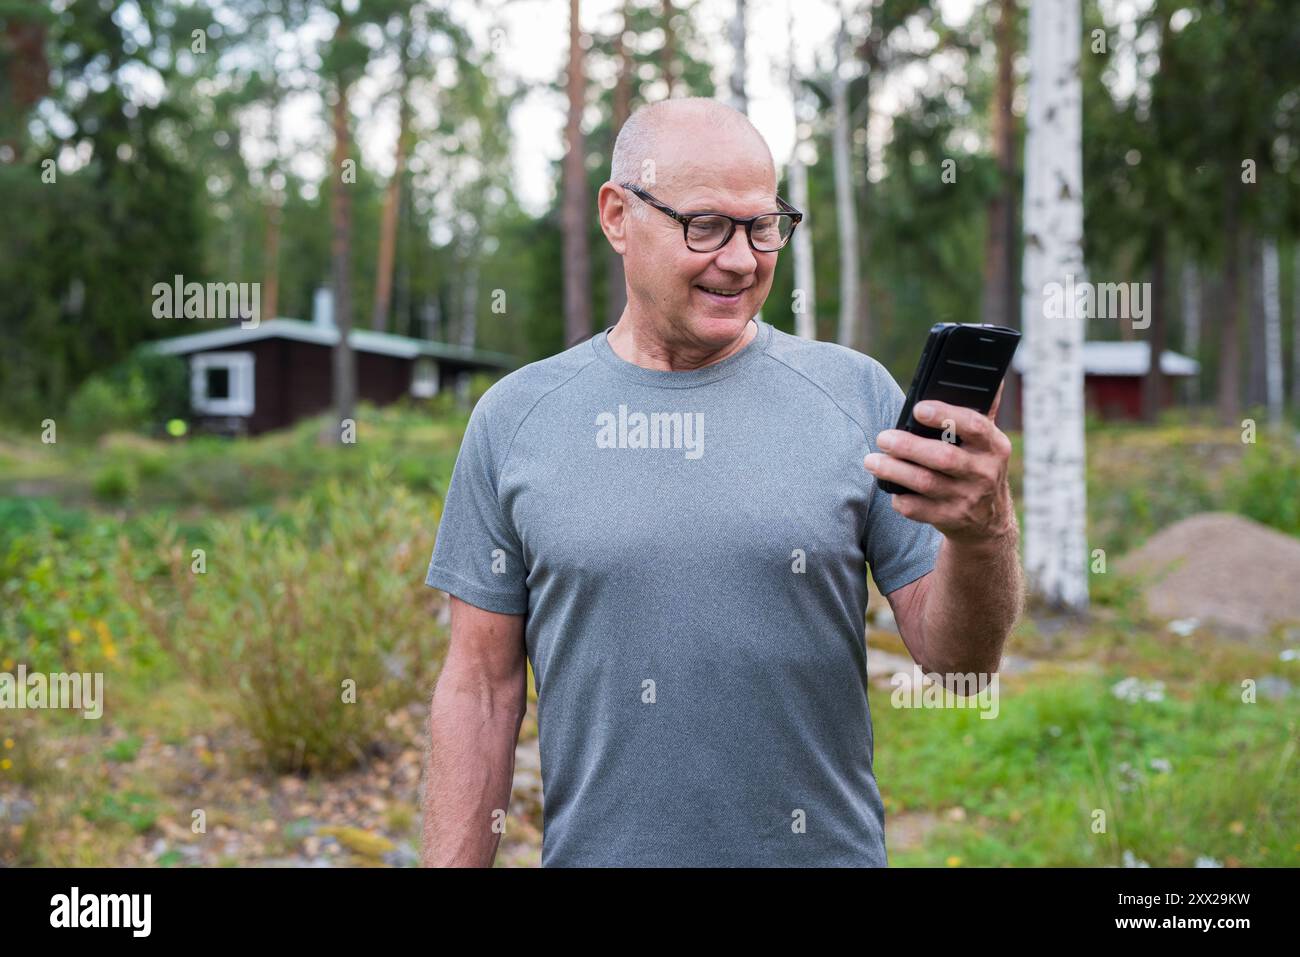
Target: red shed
[1113, 374]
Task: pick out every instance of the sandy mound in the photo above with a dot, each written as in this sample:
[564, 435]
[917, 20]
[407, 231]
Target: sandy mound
[1223, 569]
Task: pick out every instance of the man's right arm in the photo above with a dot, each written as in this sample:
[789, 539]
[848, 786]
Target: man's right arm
[477, 709]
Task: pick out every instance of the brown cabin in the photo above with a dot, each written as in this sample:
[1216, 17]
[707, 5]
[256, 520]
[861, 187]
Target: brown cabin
[246, 381]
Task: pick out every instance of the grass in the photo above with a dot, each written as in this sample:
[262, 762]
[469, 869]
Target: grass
[1068, 774]
[314, 558]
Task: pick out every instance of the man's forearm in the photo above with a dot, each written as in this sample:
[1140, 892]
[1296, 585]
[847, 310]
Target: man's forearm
[469, 770]
[974, 597]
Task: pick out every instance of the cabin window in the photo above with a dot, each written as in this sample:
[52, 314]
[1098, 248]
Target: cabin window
[424, 378]
[221, 383]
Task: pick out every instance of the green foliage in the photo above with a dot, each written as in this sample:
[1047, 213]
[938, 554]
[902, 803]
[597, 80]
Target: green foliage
[1171, 776]
[124, 750]
[114, 483]
[133, 809]
[58, 609]
[101, 406]
[141, 392]
[1267, 486]
[289, 618]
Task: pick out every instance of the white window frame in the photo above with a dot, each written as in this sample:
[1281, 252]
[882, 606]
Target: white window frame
[239, 368]
[424, 377]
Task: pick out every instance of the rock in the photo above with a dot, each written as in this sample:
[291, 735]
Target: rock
[883, 665]
[402, 856]
[365, 843]
[15, 810]
[1222, 569]
[1271, 686]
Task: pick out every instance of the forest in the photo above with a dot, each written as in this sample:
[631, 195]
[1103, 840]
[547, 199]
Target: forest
[1098, 174]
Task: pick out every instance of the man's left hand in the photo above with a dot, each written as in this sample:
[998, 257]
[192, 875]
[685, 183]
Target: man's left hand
[962, 490]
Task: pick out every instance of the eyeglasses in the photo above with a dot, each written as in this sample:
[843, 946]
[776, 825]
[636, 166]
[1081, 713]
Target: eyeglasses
[707, 231]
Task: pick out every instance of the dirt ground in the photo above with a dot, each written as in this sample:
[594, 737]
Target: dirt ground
[1220, 568]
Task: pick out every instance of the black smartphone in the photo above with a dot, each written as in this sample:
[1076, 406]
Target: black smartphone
[961, 364]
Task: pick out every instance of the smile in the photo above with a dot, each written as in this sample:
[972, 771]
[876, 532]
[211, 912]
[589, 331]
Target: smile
[724, 293]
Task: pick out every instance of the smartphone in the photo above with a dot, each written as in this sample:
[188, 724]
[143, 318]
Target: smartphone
[961, 364]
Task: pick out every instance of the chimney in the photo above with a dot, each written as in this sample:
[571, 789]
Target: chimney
[322, 307]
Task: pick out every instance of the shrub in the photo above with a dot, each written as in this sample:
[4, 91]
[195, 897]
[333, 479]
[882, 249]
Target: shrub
[114, 483]
[289, 618]
[1267, 485]
[142, 392]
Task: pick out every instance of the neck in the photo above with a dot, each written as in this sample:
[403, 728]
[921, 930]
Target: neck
[643, 344]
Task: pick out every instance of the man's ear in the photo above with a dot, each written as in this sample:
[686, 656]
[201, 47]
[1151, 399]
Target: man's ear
[614, 214]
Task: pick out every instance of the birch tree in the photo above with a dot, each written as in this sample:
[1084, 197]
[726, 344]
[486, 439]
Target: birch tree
[805, 304]
[577, 260]
[845, 211]
[1272, 308]
[1054, 488]
[739, 99]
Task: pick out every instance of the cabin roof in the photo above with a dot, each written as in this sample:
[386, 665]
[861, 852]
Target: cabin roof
[362, 340]
[1122, 359]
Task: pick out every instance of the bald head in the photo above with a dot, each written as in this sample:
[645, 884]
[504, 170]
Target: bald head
[688, 140]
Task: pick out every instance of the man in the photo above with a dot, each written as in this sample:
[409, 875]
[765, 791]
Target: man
[671, 521]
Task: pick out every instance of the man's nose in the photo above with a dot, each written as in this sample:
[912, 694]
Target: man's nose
[737, 255]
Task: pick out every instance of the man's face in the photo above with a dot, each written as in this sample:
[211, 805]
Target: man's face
[671, 284]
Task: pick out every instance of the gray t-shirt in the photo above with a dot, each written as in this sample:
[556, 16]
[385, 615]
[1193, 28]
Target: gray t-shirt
[689, 549]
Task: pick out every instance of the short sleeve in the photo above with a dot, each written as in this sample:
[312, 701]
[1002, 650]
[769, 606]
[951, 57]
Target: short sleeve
[899, 550]
[477, 555]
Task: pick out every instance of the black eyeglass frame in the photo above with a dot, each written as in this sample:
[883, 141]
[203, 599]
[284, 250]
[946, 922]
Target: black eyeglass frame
[685, 219]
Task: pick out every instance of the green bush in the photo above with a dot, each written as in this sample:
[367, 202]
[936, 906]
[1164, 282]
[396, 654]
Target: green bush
[101, 406]
[114, 483]
[289, 618]
[1267, 485]
[59, 609]
[140, 393]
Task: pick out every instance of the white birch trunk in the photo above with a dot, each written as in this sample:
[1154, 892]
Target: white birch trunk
[1055, 534]
[1295, 330]
[845, 215]
[1272, 331]
[805, 304]
[739, 99]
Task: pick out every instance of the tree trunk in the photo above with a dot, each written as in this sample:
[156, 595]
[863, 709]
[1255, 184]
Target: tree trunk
[345, 373]
[617, 281]
[1229, 344]
[392, 199]
[1157, 334]
[1256, 355]
[805, 307]
[668, 56]
[846, 217]
[739, 99]
[270, 304]
[1001, 295]
[1272, 331]
[1295, 330]
[1054, 489]
[1191, 310]
[577, 264]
